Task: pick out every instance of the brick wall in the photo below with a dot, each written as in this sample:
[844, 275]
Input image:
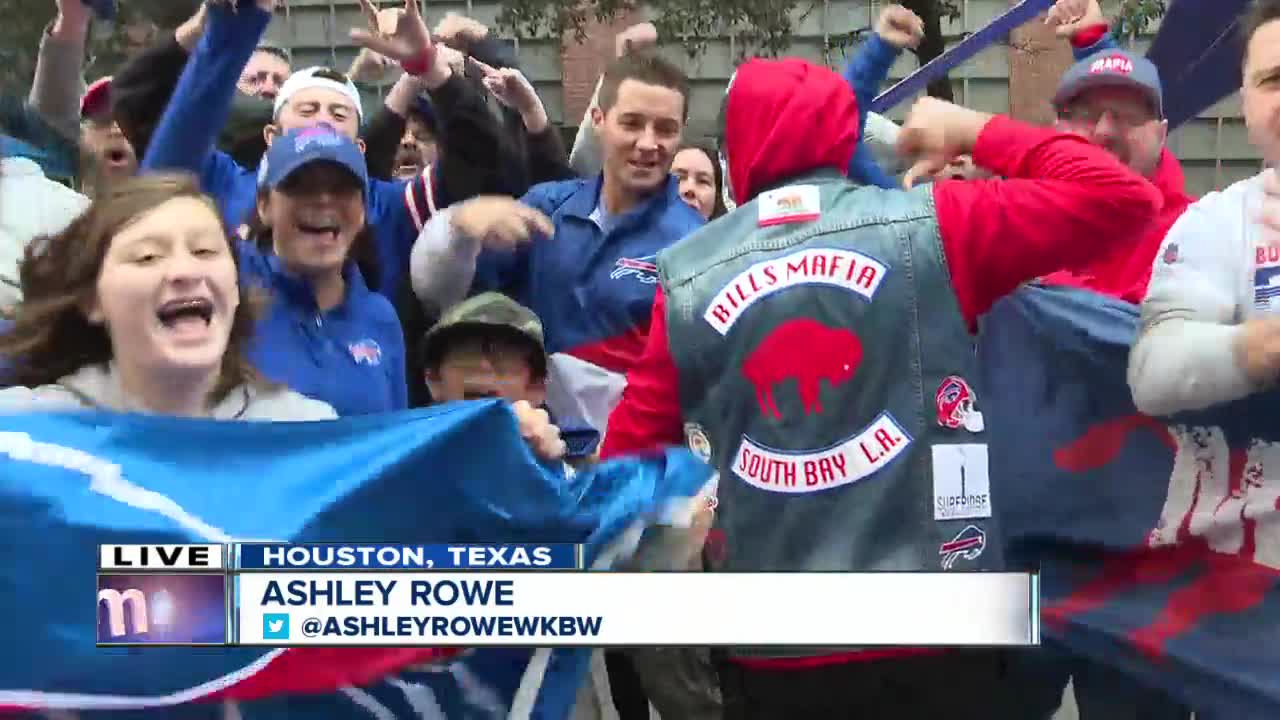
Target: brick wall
[1037, 59]
[582, 64]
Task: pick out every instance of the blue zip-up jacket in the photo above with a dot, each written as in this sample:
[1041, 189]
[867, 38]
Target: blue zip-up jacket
[201, 105]
[865, 73]
[351, 356]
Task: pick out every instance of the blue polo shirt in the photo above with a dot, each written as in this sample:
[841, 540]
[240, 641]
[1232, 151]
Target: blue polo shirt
[594, 281]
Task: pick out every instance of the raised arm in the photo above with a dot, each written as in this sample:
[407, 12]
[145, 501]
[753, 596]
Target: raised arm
[897, 28]
[201, 103]
[474, 245]
[1064, 202]
[59, 81]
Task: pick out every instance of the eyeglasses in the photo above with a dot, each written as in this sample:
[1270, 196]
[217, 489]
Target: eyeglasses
[1086, 115]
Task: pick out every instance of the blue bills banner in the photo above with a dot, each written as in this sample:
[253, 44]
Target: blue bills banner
[449, 474]
[1158, 540]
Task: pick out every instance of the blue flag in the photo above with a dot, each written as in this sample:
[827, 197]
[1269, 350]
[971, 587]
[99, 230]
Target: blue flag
[451, 473]
[1158, 540]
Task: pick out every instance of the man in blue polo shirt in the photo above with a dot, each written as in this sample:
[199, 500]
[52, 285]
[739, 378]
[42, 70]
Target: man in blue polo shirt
[580, 253]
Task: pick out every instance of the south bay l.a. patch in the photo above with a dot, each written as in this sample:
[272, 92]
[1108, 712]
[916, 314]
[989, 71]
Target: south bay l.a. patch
[858, 457]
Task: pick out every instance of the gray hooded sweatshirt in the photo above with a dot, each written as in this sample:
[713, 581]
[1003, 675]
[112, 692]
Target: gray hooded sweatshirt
[96, 387]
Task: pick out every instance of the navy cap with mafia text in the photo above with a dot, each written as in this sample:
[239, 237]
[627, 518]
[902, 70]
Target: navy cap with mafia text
[303, 146]
[1112, 68]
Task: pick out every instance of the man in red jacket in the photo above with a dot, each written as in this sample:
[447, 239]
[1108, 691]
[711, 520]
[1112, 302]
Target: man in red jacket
[790, 130]
[1113, 99]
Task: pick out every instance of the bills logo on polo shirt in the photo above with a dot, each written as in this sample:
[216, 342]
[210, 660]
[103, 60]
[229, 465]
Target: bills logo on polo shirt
[1266, 279]
[366, 352]
[644, 269]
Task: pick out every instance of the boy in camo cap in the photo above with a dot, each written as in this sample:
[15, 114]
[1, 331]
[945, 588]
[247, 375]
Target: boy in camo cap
[490, 346]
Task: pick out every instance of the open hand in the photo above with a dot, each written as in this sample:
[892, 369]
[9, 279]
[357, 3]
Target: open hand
[509, 86]
[409, 39]
[499, 222]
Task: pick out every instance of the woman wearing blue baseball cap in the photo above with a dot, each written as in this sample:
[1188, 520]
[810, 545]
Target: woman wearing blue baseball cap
[326, 334]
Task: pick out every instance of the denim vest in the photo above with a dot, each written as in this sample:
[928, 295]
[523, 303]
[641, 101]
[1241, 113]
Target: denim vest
[825, 371]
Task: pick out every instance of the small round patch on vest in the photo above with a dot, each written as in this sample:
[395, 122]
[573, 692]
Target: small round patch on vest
[957, 405]
[696, 437]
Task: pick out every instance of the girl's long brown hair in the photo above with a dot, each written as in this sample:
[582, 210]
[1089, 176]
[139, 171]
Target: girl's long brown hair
[51, 337]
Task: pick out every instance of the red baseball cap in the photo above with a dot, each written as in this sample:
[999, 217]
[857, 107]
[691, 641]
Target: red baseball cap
[97, 98]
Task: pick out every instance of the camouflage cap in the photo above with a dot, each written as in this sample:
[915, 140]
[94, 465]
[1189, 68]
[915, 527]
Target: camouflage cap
[489, 310]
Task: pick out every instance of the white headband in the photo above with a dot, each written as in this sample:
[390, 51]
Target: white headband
[306, 79]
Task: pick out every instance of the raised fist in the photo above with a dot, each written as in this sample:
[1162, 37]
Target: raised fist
[900, 27]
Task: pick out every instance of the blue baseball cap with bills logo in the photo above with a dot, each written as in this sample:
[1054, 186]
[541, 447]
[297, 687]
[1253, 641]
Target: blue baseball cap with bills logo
[302, 146]
[1112, 68]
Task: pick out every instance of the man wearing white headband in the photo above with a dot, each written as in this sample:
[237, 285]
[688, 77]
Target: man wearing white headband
[304, 86]
[396, 210]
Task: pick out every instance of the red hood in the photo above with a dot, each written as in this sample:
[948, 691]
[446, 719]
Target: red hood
[785, 118]
[1171, 183]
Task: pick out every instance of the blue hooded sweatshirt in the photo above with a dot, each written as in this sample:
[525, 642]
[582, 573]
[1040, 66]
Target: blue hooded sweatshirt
[351, 356]
[200, 107]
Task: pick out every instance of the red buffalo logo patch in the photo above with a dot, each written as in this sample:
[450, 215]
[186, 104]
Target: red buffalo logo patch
[808, 352]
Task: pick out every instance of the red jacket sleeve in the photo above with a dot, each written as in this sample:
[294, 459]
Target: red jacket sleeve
[1063, 203]
[648, 417]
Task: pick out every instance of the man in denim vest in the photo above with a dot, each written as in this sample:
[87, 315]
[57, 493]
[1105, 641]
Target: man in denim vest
[815, 346]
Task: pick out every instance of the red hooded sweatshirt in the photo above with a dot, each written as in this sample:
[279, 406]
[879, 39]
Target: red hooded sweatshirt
[1126, 273]
[1065, 203]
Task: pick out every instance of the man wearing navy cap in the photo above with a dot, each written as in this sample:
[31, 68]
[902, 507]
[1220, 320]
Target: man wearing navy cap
[1115, 99]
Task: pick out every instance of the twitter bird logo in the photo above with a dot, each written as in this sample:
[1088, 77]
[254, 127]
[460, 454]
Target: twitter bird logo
[275, 626]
